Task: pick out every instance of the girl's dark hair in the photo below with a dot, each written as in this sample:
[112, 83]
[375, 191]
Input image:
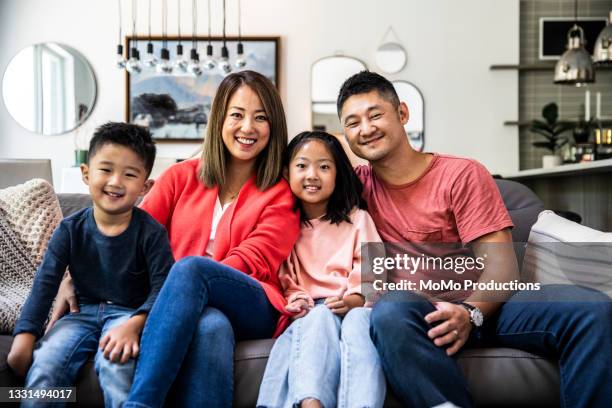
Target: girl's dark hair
[347, 194]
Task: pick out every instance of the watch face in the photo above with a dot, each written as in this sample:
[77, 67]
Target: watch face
[477, 317]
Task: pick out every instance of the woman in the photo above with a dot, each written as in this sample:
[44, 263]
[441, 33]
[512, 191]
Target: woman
[231, 223]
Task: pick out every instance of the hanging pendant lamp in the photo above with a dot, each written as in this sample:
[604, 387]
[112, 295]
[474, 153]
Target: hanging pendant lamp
[194, 59]
[120, 59]
[240, 60]
[133, 65]
[209, 63]
[180, 64]
[224, 65]
[164, 66]
[575, 66]
[602, 54]
[150, 59]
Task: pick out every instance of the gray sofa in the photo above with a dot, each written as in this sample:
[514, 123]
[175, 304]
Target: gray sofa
[497, 376]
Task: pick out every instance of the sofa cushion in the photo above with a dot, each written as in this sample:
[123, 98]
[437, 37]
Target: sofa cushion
[564, 252]
[29, 213]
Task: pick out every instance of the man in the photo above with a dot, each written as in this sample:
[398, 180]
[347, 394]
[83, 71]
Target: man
[419, 197]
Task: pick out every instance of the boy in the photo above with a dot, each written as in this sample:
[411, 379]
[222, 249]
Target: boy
[118, 257]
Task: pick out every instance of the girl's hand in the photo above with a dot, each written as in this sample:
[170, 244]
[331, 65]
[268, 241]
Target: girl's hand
[299, 306]
[341, 306]
[20, 356]
[121, 343]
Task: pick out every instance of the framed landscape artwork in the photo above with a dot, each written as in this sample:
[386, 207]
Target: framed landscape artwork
[176, 108]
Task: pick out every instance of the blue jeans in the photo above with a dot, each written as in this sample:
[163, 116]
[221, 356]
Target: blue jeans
[189, 336]
[324, 357]
[568, 323]
[71, 342]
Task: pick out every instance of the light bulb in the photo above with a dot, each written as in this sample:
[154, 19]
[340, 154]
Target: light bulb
[209, 63]
[180, 65]
[240, 61]
[120, 61]
[164, 66]
[133, 65]
[150, 60]
[194, 65]
[224, 65]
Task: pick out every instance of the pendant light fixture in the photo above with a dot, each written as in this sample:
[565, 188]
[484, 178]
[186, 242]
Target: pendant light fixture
[224, 65]
[575, 66]
[240, 60]
[164, 66]
[602, 53]
[194, 64]
[120, 60]
[150, 60]
[180, 64]
[209, 62]
[133, 65]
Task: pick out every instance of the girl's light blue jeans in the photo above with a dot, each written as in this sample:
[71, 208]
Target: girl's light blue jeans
[324, 357]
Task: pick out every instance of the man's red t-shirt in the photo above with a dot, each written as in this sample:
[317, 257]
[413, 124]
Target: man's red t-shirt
[454, 200]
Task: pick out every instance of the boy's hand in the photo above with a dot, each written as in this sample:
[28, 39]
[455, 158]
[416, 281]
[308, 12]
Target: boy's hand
[299, 306]
[65, 301]
[20, 356]
[341, 306]
[121, 343]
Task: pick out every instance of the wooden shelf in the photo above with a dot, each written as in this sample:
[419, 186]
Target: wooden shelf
[542, 66]
[527, 123]
[597, 166]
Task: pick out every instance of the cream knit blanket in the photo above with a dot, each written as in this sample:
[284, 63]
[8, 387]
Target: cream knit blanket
[29, 213]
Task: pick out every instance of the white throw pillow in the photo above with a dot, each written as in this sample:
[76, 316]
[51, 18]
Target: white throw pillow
[562, 251]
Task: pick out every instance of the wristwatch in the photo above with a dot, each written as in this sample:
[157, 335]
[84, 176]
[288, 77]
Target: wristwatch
[476, 316]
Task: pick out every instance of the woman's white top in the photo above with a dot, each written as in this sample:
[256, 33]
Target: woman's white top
[217, 214]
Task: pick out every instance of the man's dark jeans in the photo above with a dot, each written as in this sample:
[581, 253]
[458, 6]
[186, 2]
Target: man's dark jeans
[568, 323]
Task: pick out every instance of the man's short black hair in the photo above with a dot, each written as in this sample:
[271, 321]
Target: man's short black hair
[134, 137]
[364, 82]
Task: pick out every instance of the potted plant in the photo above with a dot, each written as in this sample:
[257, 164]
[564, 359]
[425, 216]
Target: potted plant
[552, 130]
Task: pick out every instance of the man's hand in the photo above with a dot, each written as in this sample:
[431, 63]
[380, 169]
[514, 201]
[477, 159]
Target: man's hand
[453, 328]
[341, 306]
[20, 356]
[65, 301]
[299, 306]
[121, 343]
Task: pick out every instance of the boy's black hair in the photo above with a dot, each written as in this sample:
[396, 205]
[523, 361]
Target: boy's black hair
[347, 193]
[134, 137]
[364, 82]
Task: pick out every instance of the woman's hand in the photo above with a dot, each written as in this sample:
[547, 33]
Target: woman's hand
[299, 306]
[341, 306]
[122, 342]
[454, 326]
[65, 301]
[20, 356]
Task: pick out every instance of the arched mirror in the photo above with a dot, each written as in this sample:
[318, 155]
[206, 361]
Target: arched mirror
[49, 88]
[327, 76]
[391, 57]
[415, 128]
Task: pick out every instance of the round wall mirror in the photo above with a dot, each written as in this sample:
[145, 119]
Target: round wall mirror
[327, 76]
[49, 88]
[415, 128]
[391, 57]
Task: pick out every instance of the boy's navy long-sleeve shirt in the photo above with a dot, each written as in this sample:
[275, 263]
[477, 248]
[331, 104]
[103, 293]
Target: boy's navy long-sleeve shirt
[128, 269]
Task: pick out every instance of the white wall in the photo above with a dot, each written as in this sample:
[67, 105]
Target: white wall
[450, 45]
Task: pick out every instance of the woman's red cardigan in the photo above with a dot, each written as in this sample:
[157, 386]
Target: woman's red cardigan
[255, 234]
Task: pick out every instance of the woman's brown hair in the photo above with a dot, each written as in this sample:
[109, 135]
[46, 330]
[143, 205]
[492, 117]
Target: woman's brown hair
[270, 160]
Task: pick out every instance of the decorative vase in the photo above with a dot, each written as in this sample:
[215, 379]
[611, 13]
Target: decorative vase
[80, 157]
[550, 160]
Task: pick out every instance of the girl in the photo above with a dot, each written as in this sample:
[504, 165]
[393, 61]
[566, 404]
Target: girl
[324, 359]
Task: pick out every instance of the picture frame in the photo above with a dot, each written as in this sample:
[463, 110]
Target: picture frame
[176, 108]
